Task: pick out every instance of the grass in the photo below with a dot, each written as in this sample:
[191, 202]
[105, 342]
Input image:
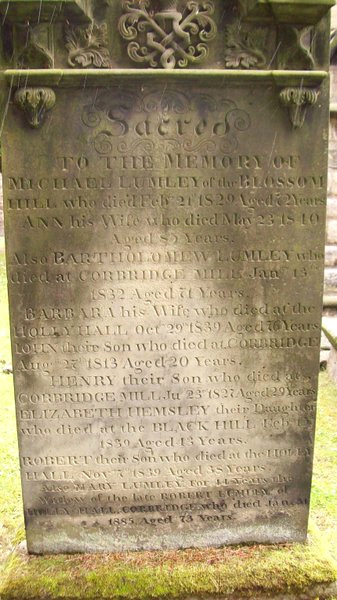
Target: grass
[11, 521]
[140, 576]
[170, 575]
[5, 349]
[324, 487]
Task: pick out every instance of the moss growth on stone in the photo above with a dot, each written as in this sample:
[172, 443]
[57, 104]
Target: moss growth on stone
[244, 570]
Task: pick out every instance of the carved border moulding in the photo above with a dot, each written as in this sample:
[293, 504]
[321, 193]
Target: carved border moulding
[35, 102]
[166, 38]
[88, 46]
[49, 11]
[297, 101]
[307, 12]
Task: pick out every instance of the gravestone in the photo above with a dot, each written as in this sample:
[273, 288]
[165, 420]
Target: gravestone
[165, 189]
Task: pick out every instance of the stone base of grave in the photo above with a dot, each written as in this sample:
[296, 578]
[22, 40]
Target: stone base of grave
[284, 572]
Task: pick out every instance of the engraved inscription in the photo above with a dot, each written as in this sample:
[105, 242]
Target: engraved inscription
[164, 280]
[245, 49]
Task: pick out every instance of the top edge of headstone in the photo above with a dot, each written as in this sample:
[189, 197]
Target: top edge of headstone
[243, 35]
[43, 10]
[287, 11]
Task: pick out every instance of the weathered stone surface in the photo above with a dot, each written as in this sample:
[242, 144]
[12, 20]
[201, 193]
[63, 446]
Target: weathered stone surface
[160, 306]
[165, 244]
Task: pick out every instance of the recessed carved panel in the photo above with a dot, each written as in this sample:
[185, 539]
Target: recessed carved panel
[37, 48]
[245, 49]
[166, 34]
[168, 38]
[294, 49]
[87, 46]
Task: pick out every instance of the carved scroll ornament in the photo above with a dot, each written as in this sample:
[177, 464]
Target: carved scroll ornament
[108, 111]
[166, 38]
[35, 102]
[297, 100]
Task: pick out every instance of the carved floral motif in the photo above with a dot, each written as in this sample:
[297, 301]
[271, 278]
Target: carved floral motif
[35, 102]
[245, 49]
[168, 38]
[87, 46]
[297, 100]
